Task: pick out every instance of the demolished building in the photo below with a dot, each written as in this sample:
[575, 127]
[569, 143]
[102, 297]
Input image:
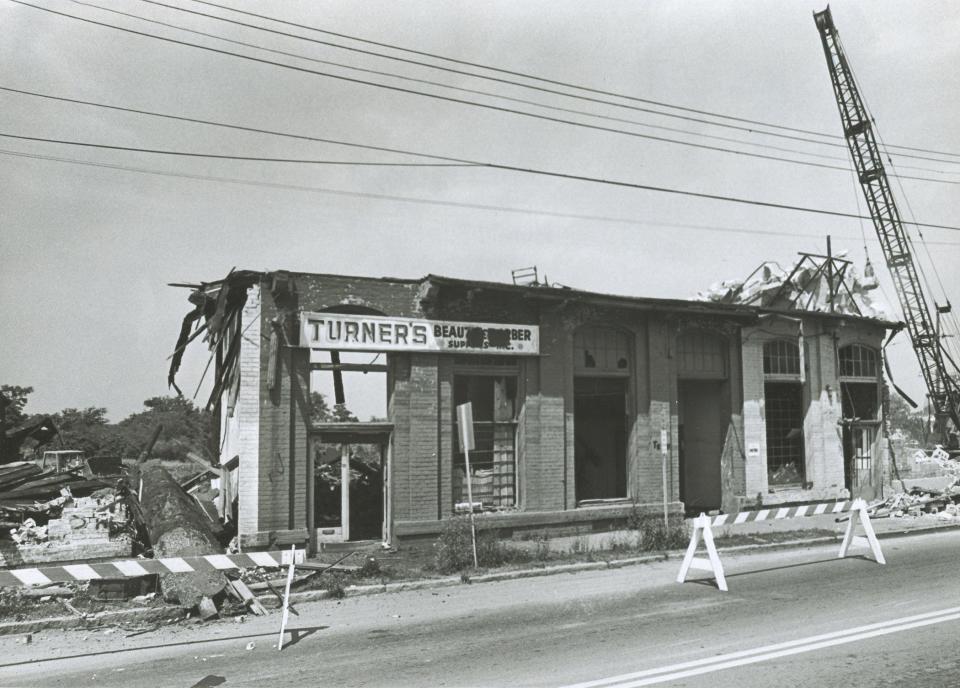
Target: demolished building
[587, 406]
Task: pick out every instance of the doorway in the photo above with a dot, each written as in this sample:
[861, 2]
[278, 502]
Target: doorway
[600, 437]
[701, 430]
[348, 491]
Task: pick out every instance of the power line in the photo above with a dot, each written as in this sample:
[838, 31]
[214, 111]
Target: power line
[680, 192]
[189, 154]
[416, 200]
[467, 161]
[488, 93]
[524, 74]
[450, 99]
[541, 89]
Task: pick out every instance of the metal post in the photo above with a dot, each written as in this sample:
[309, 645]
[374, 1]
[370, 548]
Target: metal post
[830, 273]
[473, 524]
[664, 444]
[345, 491]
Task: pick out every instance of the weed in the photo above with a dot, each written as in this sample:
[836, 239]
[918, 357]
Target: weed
[542, 550]
[370, 568]
[454, 548]
[654, 535]
[335, 585]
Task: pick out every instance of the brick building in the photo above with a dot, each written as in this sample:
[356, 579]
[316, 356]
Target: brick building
[586, 406]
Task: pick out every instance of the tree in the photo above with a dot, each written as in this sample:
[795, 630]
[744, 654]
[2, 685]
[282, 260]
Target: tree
[912, 423]
[186, 428]
[85, 429]
[16, 400]
[320, 411]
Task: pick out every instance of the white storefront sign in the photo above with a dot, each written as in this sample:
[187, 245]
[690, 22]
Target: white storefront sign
[340, 332]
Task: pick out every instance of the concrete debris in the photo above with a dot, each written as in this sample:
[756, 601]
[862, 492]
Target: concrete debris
[804, 287]
[86, 528]
[918, 501]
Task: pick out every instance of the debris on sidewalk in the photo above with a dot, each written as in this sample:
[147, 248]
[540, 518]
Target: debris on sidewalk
[918, 501]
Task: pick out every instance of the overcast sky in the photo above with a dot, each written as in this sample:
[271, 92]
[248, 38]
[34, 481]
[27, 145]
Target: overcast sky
[87, 251]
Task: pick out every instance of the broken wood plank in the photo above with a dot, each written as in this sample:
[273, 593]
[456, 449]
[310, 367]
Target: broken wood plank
[247, 597]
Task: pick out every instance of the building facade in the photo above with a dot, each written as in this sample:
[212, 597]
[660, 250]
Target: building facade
[586, 407]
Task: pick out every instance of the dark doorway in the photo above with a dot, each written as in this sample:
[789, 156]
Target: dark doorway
[861, 408]
[366, 490]
[600, 437]
[702, 427]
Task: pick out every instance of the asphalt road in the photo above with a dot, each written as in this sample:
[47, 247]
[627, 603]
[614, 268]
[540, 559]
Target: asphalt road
[796, 617]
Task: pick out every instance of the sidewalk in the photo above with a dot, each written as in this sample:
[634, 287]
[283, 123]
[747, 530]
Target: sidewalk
[760, 536]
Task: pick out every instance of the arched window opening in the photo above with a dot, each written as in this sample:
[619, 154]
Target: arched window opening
[857, 360]
[601, 350]
[783, 398]
[701, 354]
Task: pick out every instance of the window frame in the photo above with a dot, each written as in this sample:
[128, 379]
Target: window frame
[465, 368]
[779, 375]
[580, 369]
[785, 346]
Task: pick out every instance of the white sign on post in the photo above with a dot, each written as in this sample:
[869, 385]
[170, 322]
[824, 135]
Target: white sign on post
[467, 444]
[465, 425]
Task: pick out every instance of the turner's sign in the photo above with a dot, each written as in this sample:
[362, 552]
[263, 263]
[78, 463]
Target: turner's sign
[339, 332]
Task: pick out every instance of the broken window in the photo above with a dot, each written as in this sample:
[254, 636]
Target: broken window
[701, 354]
[493, 462]
[859, 382]
[601, 349]
[783, 395]
[781, 357]
[857, 360]
[784, 416]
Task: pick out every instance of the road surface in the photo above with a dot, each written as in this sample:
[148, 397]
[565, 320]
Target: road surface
[796, 617]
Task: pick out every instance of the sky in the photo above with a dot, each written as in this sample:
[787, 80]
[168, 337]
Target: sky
[87, 250]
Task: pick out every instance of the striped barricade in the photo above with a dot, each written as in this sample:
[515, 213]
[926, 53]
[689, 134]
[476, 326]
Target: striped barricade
[125, 568]
[703, 525]
[72, 573]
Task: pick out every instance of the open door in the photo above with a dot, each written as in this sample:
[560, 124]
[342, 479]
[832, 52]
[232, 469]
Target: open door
[349, 499]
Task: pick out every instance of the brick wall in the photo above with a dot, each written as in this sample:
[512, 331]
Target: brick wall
[241, 430]
[823, 447]
[413, 410]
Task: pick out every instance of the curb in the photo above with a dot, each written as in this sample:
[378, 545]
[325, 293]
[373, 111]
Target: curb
[97, 620]
[271, 602]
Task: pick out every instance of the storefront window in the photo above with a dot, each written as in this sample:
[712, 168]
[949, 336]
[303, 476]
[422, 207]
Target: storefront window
[493, 462]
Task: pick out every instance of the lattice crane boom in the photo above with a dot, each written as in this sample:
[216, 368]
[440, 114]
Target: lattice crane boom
[868, 163]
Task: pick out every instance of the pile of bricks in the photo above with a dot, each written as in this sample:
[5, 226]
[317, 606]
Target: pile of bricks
[88, 528]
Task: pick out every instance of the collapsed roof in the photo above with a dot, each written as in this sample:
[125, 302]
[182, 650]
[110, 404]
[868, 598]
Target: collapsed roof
[815, 283]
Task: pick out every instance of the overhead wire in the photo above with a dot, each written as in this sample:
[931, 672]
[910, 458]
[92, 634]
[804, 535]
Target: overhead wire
[663, 189]
[415, 200]
[506, 81]
[303, 137]
[527, 75]
[490, 94]
[450, 99]
[216, 156]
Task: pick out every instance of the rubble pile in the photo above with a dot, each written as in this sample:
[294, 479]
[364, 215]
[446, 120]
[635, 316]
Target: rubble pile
[918, 501]
[29, 492]
[94, 527]
[805, 287]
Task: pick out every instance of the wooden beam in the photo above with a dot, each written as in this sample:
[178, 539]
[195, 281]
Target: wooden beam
[351, 367]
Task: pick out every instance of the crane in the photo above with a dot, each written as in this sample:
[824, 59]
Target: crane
[943, 389]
